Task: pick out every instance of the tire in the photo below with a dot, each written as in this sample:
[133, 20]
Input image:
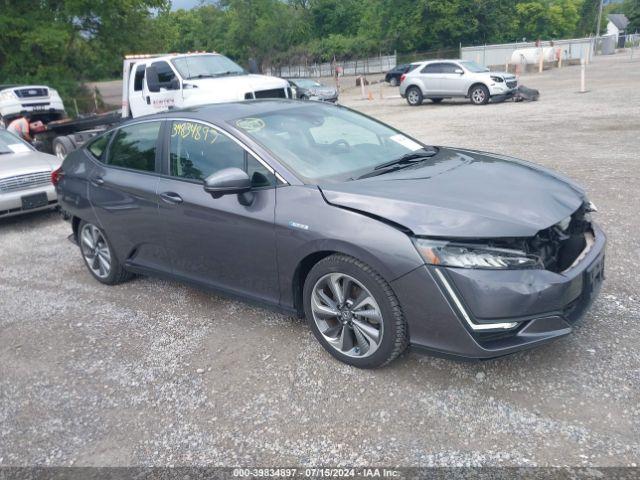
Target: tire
[394, 82]
[414, 96]
[363, 341]
[304, 97]
[62, 146]
[479, 95]
[436, 100]
[96, 239]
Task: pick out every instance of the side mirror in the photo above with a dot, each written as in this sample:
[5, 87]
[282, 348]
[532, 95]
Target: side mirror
[459, 71]
[153, 82]
[227, 181]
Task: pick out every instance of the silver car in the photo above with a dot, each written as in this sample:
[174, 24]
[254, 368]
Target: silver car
[25, 177]
[439, 79]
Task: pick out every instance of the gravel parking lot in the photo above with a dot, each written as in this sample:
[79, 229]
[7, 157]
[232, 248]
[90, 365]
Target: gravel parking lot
[157, 373]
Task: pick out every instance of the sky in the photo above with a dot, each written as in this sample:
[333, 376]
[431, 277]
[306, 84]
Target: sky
[187, 4]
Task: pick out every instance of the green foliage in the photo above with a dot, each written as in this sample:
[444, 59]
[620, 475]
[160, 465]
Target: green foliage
[64, 42]
[631, 8]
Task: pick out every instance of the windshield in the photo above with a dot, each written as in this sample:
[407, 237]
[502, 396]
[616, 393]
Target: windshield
[306, 83]
[9, 143]
[323, 143]
[474, 67]
[204, 66]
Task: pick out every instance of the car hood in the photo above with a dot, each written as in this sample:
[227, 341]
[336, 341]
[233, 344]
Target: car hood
[232, 87]
[463, 194]
[12, 164]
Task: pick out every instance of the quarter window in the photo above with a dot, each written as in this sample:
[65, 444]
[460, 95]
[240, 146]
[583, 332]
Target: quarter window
[134, 147]
[197, 151]
[99, 145]
[139, 78]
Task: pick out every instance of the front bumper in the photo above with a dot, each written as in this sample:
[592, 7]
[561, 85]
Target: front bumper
[11, 202]
[470, 312]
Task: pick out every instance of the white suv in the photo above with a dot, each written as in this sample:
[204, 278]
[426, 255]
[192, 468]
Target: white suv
[39, 101]
[438, 79]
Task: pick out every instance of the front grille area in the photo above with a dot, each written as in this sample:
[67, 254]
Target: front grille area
[512, 83]
[31, 92]
[273, 93]
[24, 182]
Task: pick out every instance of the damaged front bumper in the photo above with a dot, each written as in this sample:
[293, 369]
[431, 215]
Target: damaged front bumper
[490, 313]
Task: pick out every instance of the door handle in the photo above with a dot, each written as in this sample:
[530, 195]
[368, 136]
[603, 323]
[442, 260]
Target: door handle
[148, 100]
[171, 197]
[97, 181]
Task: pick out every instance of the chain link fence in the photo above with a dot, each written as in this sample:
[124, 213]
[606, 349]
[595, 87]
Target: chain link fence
[363, 66]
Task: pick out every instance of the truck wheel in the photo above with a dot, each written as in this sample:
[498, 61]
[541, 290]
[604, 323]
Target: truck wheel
[414, 96]
[63, 146]
[479, 95]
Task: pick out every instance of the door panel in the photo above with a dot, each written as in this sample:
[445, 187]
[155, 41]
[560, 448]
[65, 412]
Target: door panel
[226, 242]
[430, 76]
[123, 194]
[452, 83]
[219, 241]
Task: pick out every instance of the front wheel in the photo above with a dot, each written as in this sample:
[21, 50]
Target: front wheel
[414, 96]
[479, 95]
[99, 256]
[354, 313]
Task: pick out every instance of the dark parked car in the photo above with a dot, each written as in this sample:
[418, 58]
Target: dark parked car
[392, 77]
[308, 89]
[378, 240]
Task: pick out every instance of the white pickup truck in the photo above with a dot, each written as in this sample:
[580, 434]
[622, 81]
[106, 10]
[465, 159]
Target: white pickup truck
[154, 83]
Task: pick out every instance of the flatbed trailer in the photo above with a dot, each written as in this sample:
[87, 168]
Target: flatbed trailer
[64, 136]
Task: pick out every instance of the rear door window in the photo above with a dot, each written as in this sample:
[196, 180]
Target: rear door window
[432, 68]
[134, 147]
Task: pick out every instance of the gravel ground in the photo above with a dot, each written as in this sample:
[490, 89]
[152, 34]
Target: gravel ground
[156, 373]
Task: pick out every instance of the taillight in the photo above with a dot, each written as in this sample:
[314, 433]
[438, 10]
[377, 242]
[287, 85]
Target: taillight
[402, 77]
[56, 175]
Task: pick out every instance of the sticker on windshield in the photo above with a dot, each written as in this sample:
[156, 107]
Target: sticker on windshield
[18, 148]
[406, 142]
[251, 124]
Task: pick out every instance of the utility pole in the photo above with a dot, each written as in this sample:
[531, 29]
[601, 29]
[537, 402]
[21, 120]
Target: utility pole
[598, 27]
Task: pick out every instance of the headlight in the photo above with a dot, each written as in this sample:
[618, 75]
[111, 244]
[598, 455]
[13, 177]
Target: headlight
[497, 79]
[449, 254]
[7, 95]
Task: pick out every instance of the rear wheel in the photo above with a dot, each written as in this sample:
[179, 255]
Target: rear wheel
[394, 82]
[99, 256]
[353, 312]
[479, 95]
[414, 96]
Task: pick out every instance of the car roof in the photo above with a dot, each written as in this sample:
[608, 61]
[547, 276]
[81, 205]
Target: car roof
[223, 112]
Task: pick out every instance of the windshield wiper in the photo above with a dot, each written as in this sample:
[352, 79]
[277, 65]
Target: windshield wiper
[398, 163]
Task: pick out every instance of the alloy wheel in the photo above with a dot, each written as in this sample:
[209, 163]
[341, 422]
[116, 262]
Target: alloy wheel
[95, 250]
[60, 151]
[413, 96]
[478, 95]
[347, 315]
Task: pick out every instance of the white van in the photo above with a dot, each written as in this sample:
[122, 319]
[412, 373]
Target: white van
[155, 83]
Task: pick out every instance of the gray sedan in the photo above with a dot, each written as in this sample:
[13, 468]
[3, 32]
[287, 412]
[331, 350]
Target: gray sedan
[25, 177]
[379, 240]
[308, 89]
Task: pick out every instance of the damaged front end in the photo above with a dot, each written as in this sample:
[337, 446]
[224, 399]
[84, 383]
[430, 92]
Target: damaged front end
[556, 248]
[562, 245]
